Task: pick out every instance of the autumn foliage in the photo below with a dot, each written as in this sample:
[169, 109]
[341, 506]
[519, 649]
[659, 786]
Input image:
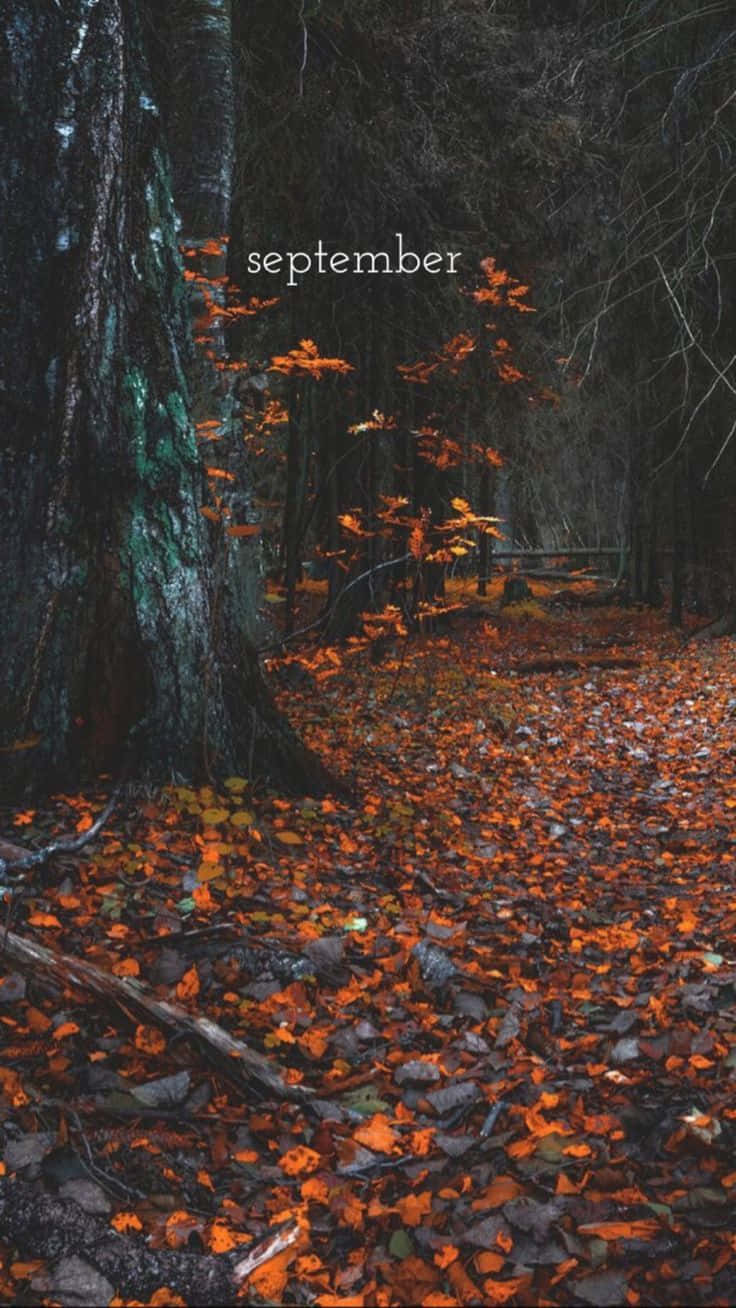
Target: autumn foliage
[502, 977]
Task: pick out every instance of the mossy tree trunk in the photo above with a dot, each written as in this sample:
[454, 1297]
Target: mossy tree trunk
[111, 610]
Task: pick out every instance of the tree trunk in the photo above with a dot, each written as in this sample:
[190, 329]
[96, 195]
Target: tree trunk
[111, 611]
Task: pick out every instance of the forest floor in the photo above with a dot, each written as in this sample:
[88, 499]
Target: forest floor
[506, 974]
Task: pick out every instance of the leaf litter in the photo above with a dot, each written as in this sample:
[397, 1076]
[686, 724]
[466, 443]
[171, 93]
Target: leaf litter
[504, 978]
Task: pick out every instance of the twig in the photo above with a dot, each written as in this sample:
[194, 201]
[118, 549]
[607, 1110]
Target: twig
[20, 862]
[305, 38]
[266, 1249]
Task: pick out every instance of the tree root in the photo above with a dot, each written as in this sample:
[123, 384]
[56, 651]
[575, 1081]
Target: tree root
[723, 626]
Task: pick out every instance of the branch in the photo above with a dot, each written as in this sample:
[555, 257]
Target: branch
[79, 1246]
[17, 861]
[241, 1065]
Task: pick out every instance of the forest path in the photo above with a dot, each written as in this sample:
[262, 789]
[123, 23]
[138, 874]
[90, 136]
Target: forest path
[508, 974]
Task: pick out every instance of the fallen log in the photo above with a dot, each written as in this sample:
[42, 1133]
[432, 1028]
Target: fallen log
[88, 1262]
[589, 599]
[572, 664]
[244, 1067]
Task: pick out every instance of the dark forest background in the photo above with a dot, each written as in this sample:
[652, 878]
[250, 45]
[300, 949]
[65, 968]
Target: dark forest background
[588, 148]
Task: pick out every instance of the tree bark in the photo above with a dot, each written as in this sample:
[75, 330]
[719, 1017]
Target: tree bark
[113, 613]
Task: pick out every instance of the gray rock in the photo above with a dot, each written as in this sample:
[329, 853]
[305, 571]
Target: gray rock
[166, 1092]
[28, 1151]
[77, 1284]
[90, 1196]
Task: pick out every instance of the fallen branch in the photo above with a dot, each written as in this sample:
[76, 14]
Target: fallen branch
[83, 1253]
[15, 861]
[243, 1066]
[264, 1250]
[593, 599]
[570, 664]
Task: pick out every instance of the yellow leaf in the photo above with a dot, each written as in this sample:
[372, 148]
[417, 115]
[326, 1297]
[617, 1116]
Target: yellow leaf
[213, 816]
[209, 871]
[236, 784]
[289, 838]
[242, 818]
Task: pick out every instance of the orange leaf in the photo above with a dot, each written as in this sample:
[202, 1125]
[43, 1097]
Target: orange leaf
[12, 1088]
[446, 1255]
[24, 819]
[577, 1150]
[221, 1238]
[43, 920]
[500, 1191]
[188, 987]
[646, 1229]
[126, 967]
[499, 1292]
[123, 1222]
[413, 1207]
[66, 1029]
[566, 1186]
[245, 529]
[37, 1021]
[19, 1271]
[465, 1289]
[300, 1159]
[149, 1040]
[487, 1261]
[179, 1227]
[376, 1134]
[316, 1189]
[421, 1141]
[246, 1156]
[313, 1042]
[308, 1265]
[344, 1301]
[164, 1297]
[269, 1280]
